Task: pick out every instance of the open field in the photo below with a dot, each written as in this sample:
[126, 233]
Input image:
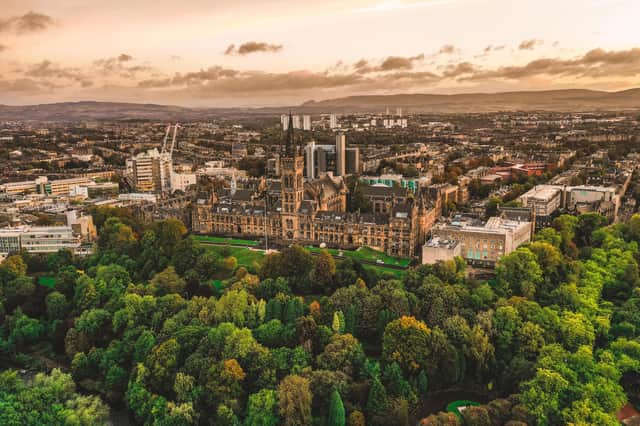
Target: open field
[366, 254]
[243, 255]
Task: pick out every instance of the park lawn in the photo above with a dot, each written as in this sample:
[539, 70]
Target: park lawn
[243, 255]
[367, 254]
[47, 281]
[224, 240]
[397, 273]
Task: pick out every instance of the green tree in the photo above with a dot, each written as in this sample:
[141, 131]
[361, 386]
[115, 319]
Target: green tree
[262, 409]
[337, 415]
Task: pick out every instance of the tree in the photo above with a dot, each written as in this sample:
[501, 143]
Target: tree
[163, 362]
[519, 273]
[15, 264]
[586, 225]
[356, 418]
[294, 400]
[262, 409]
[406, 341]
[324, 270]
[377, 402]
[336, 410]
[337, 324]
[167, 281]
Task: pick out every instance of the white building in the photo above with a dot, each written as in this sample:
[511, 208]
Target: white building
[151, 171]
[438, 250]
[306, 122]
[40, 239]
[296, 122]
[483, 243]
[333, 121]
[182, 181]
[543, 199]
[284, 121]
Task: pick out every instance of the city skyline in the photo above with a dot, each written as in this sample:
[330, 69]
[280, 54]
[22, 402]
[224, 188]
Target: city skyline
[202, 53]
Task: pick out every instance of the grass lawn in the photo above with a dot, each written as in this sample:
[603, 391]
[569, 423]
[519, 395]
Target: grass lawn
[47, 281]
[368, 254]
[224, 240]
[247, 257]
[397, 273]
[243, 255]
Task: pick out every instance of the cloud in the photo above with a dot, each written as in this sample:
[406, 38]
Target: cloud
[390, 63]
[492, 48]
[252, 47]
[25, 85]
[27, 23]
[462, 68]
[117, 66]
[529, 44]
[447, 49]
[596, 63]
[399, 62]
[48, 70]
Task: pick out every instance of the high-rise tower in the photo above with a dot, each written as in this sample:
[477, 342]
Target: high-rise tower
[292, 184]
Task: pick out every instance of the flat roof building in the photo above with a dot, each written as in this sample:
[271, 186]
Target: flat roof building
[483, 243]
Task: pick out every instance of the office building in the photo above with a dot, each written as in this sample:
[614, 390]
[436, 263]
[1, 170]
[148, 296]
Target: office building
[544, 200]
[50, 239]
[483, 243]
[284, 121]
[306, 122]
[296, 122]
[341, 154]
[333, 121]
[150, 171]
[353, 161]
[438, 250]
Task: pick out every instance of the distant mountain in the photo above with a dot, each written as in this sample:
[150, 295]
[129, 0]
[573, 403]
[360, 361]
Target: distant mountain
[89, 110]
[550, 100]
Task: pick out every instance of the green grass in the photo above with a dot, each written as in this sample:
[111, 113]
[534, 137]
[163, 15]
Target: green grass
[454, 407]
[248, 258]
[397, 273]
[47, 281]
[243, 255]
[366, 253]
[224, 240]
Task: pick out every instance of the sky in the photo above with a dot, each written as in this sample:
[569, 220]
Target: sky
[279, 52]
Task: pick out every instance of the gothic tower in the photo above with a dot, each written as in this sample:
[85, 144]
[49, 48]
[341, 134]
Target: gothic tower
[292, 183]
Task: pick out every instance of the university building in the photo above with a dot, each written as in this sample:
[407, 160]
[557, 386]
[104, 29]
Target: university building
[314, 211]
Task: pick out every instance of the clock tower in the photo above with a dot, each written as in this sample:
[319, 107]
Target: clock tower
[292, 185]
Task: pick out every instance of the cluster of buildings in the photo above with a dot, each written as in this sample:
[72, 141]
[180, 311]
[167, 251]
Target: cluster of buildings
[337, 159]
[548, 200]
[152, 171]
[313, 211]
[77, 236]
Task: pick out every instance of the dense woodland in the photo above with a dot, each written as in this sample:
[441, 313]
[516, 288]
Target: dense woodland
[299, 340]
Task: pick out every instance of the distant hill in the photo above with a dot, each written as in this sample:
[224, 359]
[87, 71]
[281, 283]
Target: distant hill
[550, 100]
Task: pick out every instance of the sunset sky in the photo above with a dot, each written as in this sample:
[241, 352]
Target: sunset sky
[275, 52]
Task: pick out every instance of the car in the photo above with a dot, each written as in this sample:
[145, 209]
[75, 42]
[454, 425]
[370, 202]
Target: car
[379, 262]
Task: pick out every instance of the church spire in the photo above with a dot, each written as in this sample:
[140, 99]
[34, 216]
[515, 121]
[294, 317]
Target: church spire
[290, 144]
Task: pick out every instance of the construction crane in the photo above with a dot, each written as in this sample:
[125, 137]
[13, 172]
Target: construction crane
[173, 139]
